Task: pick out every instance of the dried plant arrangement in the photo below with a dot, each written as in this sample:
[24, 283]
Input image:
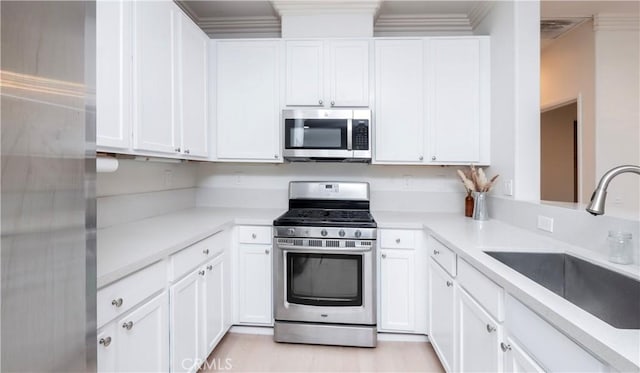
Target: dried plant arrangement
[475, 180]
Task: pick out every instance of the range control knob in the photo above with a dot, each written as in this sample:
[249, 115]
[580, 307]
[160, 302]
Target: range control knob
[358, 234]
[341, 233]
[323, 232]
[291, 231]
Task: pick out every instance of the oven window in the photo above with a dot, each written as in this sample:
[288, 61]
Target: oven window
[324, 279]
[316, 133]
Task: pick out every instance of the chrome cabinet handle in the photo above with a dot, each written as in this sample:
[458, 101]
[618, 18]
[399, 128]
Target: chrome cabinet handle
[320, 102]
[117, 302]
[433, 158]
[397, 240]
[436, 252]
[505, 347]
[384, 256]
[490, 328]
[186, 151]
[449, 283]
[106, 341]
[205, 251]
[266, 251]
[253, 235]
[276, 156]
[333, 103]
[128, 325]
[201, 272]
[420, 158]
[177, 150]
[210, 267]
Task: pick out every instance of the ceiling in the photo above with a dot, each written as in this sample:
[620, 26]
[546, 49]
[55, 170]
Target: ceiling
[259, 18]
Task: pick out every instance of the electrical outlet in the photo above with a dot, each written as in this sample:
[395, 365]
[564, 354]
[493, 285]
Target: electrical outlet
[508, 187]
[545, 223]
[168, 178]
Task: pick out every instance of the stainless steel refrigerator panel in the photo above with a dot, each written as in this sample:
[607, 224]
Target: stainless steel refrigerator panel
[48, 186]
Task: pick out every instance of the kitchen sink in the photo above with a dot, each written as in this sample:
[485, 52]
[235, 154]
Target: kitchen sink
[608, 295]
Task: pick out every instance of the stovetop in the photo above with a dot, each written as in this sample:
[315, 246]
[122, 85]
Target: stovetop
[326, 218]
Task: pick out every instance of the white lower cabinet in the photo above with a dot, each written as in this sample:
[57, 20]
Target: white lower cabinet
[197, 314]
[254, 284]
[138, 341]
[402, 306]
[442, 322]
[479, 337]
[516, 360]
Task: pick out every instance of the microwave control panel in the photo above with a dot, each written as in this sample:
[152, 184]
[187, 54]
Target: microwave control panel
[360, 134]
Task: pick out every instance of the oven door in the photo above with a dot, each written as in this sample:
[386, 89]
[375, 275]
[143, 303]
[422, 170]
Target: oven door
[325, 285]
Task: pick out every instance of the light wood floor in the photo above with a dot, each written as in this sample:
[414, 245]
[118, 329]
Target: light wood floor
[259, 353]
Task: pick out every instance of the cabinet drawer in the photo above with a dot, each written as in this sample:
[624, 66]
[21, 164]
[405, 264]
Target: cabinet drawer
[443, 255]
[484, 291]
[194, 255]
[255, 234]
[397, 239]
[122, 295]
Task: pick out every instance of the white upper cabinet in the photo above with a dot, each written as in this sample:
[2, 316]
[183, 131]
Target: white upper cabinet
[113, 79]
[193, 68]
[151, 80]
[327, 73]
[432, 101]
[155, 117]
[456, 85]
[399, 120]
[247, 100]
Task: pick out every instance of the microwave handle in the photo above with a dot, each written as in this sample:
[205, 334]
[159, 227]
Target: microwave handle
[349, 134]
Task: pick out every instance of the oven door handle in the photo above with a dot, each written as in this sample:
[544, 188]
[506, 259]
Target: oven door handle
[315, 249]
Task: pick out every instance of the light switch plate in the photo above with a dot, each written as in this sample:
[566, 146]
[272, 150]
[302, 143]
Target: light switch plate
[545, 223]
[508, 187]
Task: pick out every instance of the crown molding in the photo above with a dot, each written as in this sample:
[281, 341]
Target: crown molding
[187, 9]
[479, 12]
[254, 26]
[308, 7]
[422, 23]
[616, 22]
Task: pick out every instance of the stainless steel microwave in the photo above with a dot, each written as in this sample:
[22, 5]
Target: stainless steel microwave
[327, 135]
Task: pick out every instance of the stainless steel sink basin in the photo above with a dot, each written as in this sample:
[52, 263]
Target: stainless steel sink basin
[610, 296]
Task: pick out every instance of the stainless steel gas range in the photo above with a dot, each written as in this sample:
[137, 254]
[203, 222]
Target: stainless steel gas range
[324, 266]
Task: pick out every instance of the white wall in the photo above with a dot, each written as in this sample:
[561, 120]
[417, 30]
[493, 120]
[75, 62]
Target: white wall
[617, 109]
[567, 73]
[251, 185]
[139, 189]
[515, 137]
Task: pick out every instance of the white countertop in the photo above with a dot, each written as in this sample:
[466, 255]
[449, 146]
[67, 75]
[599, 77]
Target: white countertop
[470, 238]
[126, 248]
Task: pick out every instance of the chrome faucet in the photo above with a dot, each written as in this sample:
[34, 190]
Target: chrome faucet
[596, 206]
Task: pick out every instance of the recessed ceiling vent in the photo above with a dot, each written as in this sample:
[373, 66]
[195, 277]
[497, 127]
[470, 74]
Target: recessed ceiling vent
[554, 28]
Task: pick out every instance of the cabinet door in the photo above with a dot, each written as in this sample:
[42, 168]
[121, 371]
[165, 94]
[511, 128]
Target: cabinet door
[349, 73]
[155, 119]
[397, 310]
[193, 87]
[214, 302]
[186, 341]
[106, 353]
[453, 94]
[399, 103]
[247, 101]
[479, 337]
[441, 314]
[113, 74]
[518, 361]
[305, 75]
[254, 284]
[143, 338]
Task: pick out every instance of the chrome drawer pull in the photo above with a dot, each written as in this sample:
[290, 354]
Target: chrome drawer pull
[210, 267]
[105, 341]
[205, 251]
[449, 283]
[128, 325]
[117, 302]
[253, 235]
[436, 252]
[505, 347]
[397, 240]
[491, 328]
[201, 272]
